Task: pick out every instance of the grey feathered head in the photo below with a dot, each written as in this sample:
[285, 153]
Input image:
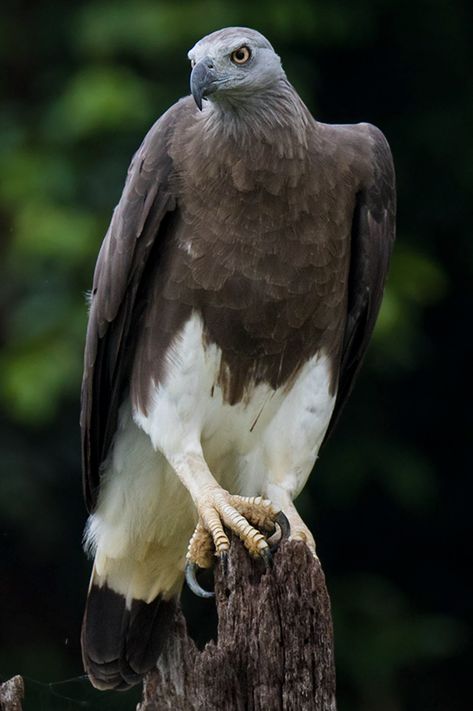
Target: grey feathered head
[235, 61]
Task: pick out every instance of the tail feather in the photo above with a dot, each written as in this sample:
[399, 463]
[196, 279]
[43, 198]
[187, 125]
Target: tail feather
[122, 641]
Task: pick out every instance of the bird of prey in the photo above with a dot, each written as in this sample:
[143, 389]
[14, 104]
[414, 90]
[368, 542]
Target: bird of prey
[233, 300]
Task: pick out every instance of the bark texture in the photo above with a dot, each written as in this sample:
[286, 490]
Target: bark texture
[275, 642]
[11, 694]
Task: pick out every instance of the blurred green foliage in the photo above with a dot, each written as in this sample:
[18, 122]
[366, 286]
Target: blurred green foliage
[82, 83]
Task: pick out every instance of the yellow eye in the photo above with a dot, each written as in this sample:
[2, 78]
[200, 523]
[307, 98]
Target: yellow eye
[240, 56]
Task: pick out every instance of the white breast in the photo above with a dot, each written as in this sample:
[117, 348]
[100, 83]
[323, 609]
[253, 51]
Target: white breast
[269, 433]
[269, 443]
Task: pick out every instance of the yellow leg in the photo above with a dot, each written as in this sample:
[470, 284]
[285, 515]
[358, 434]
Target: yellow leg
[241, 514]
[217, 509]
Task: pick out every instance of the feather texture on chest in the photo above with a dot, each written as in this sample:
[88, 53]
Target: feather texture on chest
[266, 268]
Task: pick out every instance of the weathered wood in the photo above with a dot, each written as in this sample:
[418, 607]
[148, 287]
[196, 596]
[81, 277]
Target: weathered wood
[11, 694]
[275, 642]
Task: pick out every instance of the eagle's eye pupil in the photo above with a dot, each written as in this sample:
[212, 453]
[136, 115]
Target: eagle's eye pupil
[240, 56]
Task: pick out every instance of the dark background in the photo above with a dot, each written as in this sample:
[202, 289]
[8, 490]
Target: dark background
[391, 497]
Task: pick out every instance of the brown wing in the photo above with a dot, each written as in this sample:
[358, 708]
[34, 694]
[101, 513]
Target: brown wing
[372, 239]
[118, 294]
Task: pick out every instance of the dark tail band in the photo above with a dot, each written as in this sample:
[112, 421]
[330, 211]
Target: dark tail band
[120, 644]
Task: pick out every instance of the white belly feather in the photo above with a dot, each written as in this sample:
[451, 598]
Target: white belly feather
[266, 424]
[272, 437]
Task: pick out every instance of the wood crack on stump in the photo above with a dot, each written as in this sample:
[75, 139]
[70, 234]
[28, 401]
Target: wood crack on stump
[274, 650]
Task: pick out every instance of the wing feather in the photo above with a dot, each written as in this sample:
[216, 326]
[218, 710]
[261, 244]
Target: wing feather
[372, 239]
[137, 224]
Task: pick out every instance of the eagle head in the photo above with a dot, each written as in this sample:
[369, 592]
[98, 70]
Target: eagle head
[231, 63]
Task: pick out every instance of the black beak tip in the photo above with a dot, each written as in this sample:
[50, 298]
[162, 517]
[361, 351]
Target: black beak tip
[202, 81]
[197, 94]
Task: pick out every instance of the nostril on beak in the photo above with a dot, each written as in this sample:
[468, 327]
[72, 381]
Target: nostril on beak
[210, 65]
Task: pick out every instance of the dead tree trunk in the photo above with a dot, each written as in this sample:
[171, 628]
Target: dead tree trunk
[11, 694]
[274, 650]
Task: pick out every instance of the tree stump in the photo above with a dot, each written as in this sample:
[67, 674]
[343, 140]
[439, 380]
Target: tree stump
[274, 650]
[11, 694]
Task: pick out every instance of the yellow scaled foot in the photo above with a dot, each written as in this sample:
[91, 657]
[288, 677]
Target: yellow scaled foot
[299, 531]
[241, 514]
[302, 533]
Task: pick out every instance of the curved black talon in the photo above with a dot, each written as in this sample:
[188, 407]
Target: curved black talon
[283, 523]
[267, 557]
[223, 558]
[284, 528]
[191, 580]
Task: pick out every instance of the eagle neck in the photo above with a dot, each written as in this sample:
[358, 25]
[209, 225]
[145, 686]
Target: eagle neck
[244, 117]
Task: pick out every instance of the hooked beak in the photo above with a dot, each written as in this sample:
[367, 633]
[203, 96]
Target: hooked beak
[203, 80]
